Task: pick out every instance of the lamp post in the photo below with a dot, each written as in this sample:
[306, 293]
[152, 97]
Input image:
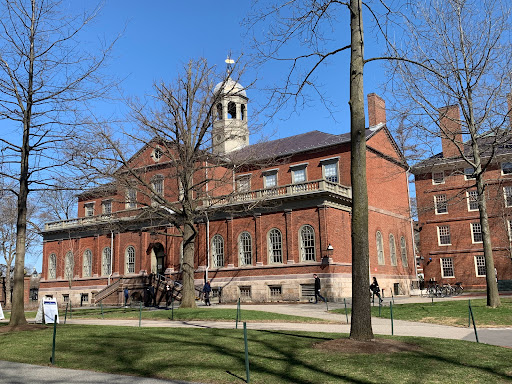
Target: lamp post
[330, 251]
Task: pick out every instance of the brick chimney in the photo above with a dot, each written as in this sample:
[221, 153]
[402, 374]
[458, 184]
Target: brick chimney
[451, 132]
[376, 110]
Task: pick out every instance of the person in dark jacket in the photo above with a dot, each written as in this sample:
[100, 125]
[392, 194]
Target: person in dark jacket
[374, 287]
[207, 289]
[317, 289]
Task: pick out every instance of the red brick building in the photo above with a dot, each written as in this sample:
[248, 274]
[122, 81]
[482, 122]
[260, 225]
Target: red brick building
[448, 216]
[266, 253]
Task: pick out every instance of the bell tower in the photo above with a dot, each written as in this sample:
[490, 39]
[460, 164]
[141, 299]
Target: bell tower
[230, 129]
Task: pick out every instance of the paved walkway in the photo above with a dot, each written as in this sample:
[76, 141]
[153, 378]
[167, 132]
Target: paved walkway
[14, 373]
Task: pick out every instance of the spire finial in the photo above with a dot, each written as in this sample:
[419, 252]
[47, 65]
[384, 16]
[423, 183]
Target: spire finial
[229, 63]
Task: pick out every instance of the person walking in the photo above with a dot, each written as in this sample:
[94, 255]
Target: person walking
[317, 289]
[207, 289]
[374, 287]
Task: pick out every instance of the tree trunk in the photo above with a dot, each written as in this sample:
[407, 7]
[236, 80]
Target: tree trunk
[8, 287]
[361, 324]
[188, 298]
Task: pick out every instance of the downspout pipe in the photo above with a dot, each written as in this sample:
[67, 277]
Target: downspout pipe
[111, 254]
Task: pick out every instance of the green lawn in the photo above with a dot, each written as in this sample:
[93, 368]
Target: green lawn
[200, 313]
[217, 356]
[452, 312]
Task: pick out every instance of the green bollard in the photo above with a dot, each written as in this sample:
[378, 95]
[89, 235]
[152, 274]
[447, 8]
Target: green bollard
[432, 300]
[380, 307]
[469, 313]
[238, 314]
[140, 313]
[52, 360]
[247, 372]
[346, 313]
[392, 297]
[172, 308]
[66, 314]
[474, 325]
[101, 305]
[391, 313]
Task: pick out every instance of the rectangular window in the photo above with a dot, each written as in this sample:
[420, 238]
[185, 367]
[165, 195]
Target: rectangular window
[469, 173]
[106, 207]
[299, 175]
[443, 233]
[480, 266]
[65, 298]
[89, 209]
[447, 267]
[270, 180]
[472, 200]
[506, 168]
[245, 292]
[509, 222]
[243, 184]
[507, 192]
[275, 291]
[331, 171]
[440, 204]
[476, 232]
[85, 297]
[438, 178]
[131, 198]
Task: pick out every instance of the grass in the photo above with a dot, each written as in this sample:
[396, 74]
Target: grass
[453, 312]
[217, 356]
[183, 314]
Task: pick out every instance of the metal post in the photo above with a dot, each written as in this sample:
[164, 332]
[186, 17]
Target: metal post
[238, 317]
[392, 297]
[140, 313]
[345, 303]
[474, 325]
[247, 372]
[469, 313]
[54, 334]
[326, 305]
[66, 314]
[380, 307]
[70, 310]
[101, 305]
[172, 308]
[391, 312]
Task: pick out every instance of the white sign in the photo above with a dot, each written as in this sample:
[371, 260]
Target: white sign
[1, 313]
[50, 310]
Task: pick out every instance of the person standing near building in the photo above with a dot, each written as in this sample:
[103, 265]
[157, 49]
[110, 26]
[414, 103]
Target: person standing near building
[126, 295]
[317, 289]
[207, 289]
[374, 287]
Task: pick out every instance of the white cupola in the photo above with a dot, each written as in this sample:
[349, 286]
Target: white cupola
[230, 128]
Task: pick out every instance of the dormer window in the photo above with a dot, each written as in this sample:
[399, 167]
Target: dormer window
[243, 183]
[506, 168]
[270, 178]
[438, 177]
[106, 206]
[89, 209]
[330, 169]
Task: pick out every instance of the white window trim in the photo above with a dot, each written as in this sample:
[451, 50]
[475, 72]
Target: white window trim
[302, 248]
[442, 269]
[270, 248]
[439, 237]
[433, 178]
[505, 195]
[154, 156]
[275, 173]
[88, 205]
[381, 247]
[436, 205]
[473, 234]
[301, 165]
[476, 265]
[127, 259]
[333, 160]
[299, 169]
[509, 230]
[468, 201]
[501, 166]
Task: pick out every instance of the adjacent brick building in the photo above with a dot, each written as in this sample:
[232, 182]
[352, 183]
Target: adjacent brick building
[265, 253]
[448, 215]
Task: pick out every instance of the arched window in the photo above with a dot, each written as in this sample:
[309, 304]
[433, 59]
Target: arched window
[242, 111]
[275, 246]
[232, 110]
[106, 262]
[307, 243]
[380, 249]
[69, 265]
[219, 111]
[52, 266]
[245, 248]
[218, 251]
[87, 272]
[130, 259]
[157, 183]
[392, 249]
[403, 251]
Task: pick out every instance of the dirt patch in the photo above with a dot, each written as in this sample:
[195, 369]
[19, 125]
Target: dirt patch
[375, 346]
[24, 327]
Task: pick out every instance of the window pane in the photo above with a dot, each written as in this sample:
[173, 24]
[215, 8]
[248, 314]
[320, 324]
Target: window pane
[476, 230]
[380, 249]
[447, 267]
[87, 263]
[472, 200]
[275, 246]
[245, 248]
[480, 265]
[243, 184]
[307, 243]
[331, 172]
[506, 168]
[392, 249]
[440, 203]
[218, 251]
[299, 175]
[508, 196]
[468, 173]
[270, 180]
[438, 178]
[444, 235]
[106, 264]
[52, 266]
[403, 251]
[130, 260]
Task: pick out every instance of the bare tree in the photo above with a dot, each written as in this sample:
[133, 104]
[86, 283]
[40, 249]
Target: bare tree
[46, 83]
[178, 126]
[309, 23]
[465, 49]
